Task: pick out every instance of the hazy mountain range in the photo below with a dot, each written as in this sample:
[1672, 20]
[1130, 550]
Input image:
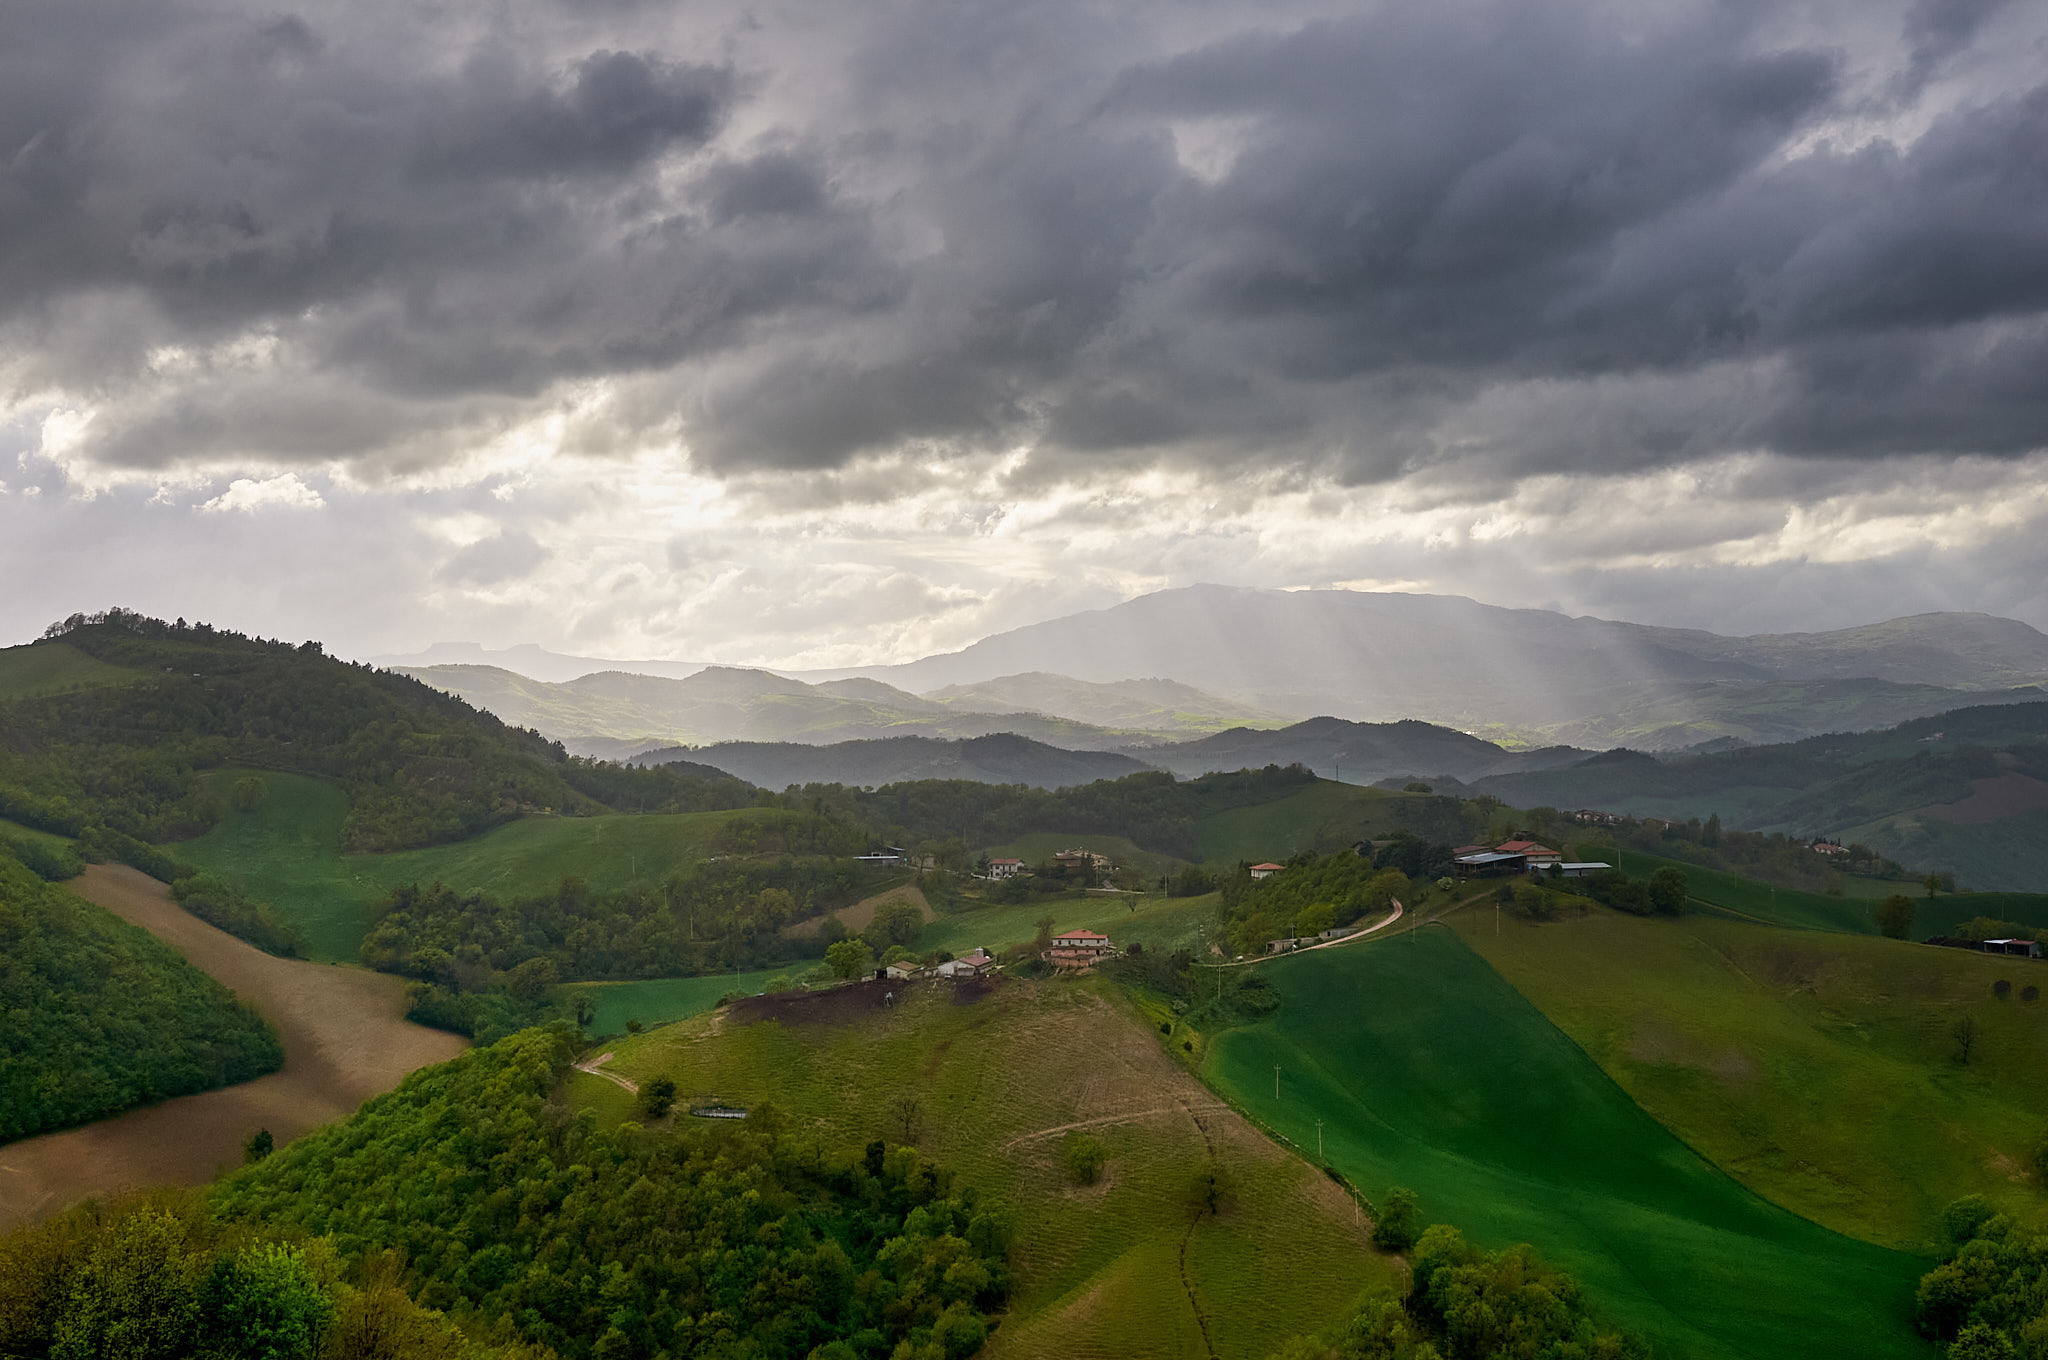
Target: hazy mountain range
[1255, 657]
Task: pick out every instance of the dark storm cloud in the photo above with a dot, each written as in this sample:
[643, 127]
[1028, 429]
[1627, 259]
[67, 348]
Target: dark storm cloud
[1546, 236]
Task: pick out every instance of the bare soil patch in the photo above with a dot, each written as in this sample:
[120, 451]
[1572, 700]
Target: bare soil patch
[345, 1040]
[1993, 800]
[861, 914]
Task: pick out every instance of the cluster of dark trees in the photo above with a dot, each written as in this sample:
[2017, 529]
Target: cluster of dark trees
[1466, 1304]
[97, 1015]
[1152, 809]
[158, 1277]
[714, 1241]
[1663, 893]
[1312, 894]
[1988, 1299]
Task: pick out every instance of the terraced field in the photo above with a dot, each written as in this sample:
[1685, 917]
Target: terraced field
[1129, 1267]
[1822, 1071]
[1414, 1063]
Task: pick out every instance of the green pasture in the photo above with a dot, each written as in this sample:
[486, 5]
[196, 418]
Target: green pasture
[657, 1001]
[1038, 847]
[1822, 1071]
[30, 833]
[288, 852]
[1426, 1069]
[1745, 898]
[52, 667]
[990, 1088]
[1323, 817]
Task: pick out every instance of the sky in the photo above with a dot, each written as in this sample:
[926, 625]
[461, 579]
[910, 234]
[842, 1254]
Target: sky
[813, 334]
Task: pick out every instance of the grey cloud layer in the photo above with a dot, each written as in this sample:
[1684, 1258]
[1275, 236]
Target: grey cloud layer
[1505, 238]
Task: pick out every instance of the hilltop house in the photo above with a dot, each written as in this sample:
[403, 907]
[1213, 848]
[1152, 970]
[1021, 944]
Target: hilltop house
[1082, 939]
[903, 970]
[1532, 853]
[967, 965]
[1005, 868]
[1266, 870]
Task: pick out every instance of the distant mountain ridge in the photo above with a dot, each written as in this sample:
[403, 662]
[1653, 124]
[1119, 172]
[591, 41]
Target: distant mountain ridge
[1003, 758]
[1524, 674]
[1526, 677]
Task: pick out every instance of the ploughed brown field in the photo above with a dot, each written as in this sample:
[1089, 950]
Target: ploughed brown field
[345, 1040]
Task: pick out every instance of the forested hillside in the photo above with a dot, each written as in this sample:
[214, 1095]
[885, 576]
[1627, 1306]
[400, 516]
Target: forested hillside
[708, 1241]
[419, 767]
[97, 1015]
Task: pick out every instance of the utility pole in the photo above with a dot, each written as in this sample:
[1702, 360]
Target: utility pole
[1319, 1140]
[1276, 1081]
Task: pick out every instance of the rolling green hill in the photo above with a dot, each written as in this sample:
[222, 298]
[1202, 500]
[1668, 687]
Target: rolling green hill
[1129, 1267]
[1426, 1069]
[1819, 1070]
[1326, 816]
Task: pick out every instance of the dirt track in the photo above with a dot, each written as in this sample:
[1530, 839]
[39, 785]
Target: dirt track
[345, 1040]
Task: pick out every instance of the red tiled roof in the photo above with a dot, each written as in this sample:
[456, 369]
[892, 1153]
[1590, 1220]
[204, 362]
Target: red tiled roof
[1079, 935]
[1524, 848]
[1269, 865]
[1006, 861]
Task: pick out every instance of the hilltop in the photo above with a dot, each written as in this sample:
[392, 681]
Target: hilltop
[1004, 758]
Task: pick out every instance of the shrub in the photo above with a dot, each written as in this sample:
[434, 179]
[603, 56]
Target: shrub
[1084, 1157]
[1400, 1221]
[2001, 989]
[658, 1096]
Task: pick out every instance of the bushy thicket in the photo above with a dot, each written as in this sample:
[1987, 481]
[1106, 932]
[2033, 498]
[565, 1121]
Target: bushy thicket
[1153, 810]
[1310, 895]
[1465, 1304]
[51, 863]
[714, 1242]
[220, 903]
[708, 916]
[97, 1015]
[157, 1277]
[1988, 1299]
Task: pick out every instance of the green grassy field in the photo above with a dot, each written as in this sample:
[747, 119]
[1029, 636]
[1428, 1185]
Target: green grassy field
[1426, 1069]
[50, 667]
[1747, 899]
[658, 1001]
[1323, 817]
[30, 833]
[1116, 1269]
[1041, 846]
[288, 852]
[1820, 1070]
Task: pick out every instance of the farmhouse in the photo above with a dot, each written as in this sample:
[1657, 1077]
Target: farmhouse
[967, 965]
[1080, 859]
[1490, 864]
[1534, 853]
[1829, 848]
[1266, 870]
[1082, 939]
[903, 970]
[1005, 868]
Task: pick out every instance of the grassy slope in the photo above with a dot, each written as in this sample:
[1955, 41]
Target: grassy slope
[657, 1001]
[1429, 1070]
[288, 852]
[1324, 816]
[53, 666]
[30, 833]
[1745, 898]
[1099, 1269]
[1818, 1069]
